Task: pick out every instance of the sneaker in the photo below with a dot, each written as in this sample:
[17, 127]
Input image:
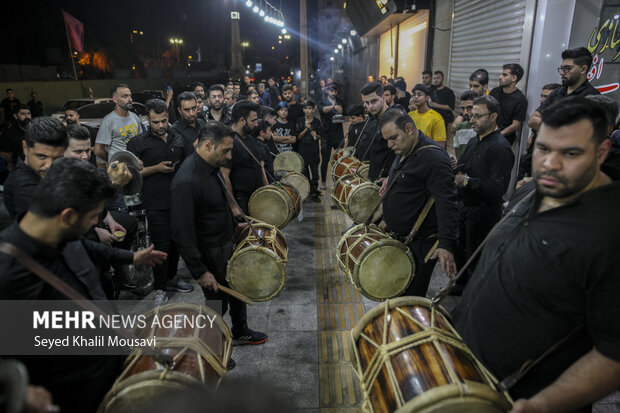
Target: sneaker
[179, 285]
[231, 364]
[249, 337]
[161, 298]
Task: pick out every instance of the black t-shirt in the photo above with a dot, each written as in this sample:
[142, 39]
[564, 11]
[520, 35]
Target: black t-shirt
[265, 156]
[13, 137]
[19, 188]
[274, 93]
[585, 89]
[308, 147]
[246, 176]
[8, 105]
[444, 96]
[295, 111]
[332, 131]
[36, 108]
[152, 150]
[404, 102]
[513, 106]
[284, 129]
[354, 132]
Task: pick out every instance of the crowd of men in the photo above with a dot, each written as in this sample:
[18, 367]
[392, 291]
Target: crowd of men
[547, 271]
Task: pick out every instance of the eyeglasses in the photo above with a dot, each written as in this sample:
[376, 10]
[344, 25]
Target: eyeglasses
[477, 116]
[565, 69]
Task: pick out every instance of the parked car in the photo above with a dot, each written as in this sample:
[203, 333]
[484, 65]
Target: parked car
[76, 104]
[91, 115]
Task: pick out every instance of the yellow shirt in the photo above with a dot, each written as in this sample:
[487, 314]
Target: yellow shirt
[431, 124]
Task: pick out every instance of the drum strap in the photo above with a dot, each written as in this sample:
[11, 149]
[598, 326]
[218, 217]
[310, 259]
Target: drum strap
[252, 155]
[361, 133]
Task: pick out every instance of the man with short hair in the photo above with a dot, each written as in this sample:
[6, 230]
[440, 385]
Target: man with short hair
[357, 118]
[264, 95]
[217, 109]
[295, 109]
[13, 137]
[188, 124]
[273, 91]
[201, 108]
[284, 130]
[230, 98]
[442, 99]
[512, 102]
[479, 82]
[119, 126]
[549, 274]
[574, 70]
[483, 177]
[72, 117]
[161, 151]
[426, 119]
[242, 174]
[427, 78]
[237, 90]
[331, 105]
[35, 105]
[7, 106]
[402, 96]
[421, 170]
[389, 93]
[253, 97]
[463, 132]
[198, 88]
[202, 223]
[264, 134]
[384, 80]
[308, 145]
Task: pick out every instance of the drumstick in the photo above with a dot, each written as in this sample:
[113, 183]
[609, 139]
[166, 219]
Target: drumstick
[235, 294]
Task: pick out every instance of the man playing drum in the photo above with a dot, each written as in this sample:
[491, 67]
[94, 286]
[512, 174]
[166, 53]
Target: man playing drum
[548, 279]
[203, 225]
[421, 170]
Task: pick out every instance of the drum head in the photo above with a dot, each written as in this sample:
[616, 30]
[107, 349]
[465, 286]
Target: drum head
[363, 170]
[299, 182]
[362, 200]
[256, 272]
[288, 161]
[385, 270]
[271, 205]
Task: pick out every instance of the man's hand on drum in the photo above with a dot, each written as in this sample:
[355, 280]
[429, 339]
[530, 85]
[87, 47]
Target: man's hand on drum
[383, 183]
[525, 406]
[208, 281]
[149, 256]
[448, 266]
[119, 173]
[237, 212]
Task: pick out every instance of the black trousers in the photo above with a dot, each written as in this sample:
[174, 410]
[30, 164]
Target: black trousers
[423, 270]
[311, 171]
[216, 259]
[327, 144]
[242, 199]
[161, 235]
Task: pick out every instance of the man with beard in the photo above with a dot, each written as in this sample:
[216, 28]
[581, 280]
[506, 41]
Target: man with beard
[72, 117]
[331, 105]
[161, 152]
[463, 131]
[188, 124]
[217, 110]
[479, 82]
[574, 70]
[198, 88]
[14, 136]
[264, 95]
[427, 78]
[253, 96]
[483, 175]
[274, 93]
[442, 99]
[64, 206]
[295, 110]
[512, 102]
[390, 95]
[550, 272]
[242, 174]
[119, 126]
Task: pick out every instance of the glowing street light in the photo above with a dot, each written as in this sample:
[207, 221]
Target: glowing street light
[245, 44]
[340, 46]
[283, 31]
[344, 41]
[176, 41]
[336, 51]
[248, 3]
[261, 13]
[331, 58]
[287, 36]
[255, 9]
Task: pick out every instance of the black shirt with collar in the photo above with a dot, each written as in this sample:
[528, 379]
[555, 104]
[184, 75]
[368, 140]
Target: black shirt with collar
[425, 173]
[488, 163]
[379, 155]
[246, 175]
[584, 89]
[540, 275]
[188, 132]
[513, 106]
[200, 215]
[152, 150]
[19, 187]
[225, 118]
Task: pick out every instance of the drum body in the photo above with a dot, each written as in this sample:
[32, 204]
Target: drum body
[342, 152]
[363, 170]
[345, 166]
[380, 267]
[410, 359]
[257, 268]
[288, 161]
[357, 197]
[276, 204]
[198, 350]
[299, 182]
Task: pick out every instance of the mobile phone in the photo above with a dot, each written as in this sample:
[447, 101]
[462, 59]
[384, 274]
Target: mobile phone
[169, 87]
[174, 164]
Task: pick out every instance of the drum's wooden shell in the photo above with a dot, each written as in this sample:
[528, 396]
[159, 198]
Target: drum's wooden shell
[299, 182]
[342, 152]
[380, 267]
[257, 269]
[288, 161]
[200, 356]
[427, 367]
[363, 170]
[276, 204]
[347, 165]
[357, 197]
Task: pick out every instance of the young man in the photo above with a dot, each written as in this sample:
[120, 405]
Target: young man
[479, 82]
[284, 130]
[14, 136]
[188, 124]
[390, 94]
[217, 109]
[295, 109]
[442, 99]
[273, 91]
[427, 78]
[402, 96]
[264, 95]
[550, 272]
[357, 118]
[308, 145]
[512, 102]
[463, 131]
[264, 134]
[331, 105]
[8, 104]
[426, 119]
[35, 105]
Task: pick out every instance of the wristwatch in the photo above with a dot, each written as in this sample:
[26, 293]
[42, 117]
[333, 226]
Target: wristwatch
[465, 182]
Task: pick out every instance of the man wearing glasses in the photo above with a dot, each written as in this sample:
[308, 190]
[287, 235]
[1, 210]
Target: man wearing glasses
[576, 64]
[482, 176]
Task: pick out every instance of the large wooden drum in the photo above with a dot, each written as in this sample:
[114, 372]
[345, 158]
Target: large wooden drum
[345, 166]
[276, 204]
[299, 182]
[363, 170]
[342, 152]
[257, 268]
[198, 352]
[357, 197]
[409, 358]
[288, 161]
[379, 266]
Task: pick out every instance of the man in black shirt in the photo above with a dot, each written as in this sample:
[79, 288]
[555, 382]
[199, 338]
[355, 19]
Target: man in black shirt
[512, 102]
[552, 268]
[402, 96]
[421, 170]
[295, 109]
[161, 152]
[442, 99]
[390, 95]
[263, 136]
[356, 117]
[217, 110]
[574, 70]
[285, 137]
[330, 106]
[243, 174]
[8, 105]
[35, 105]
[274, 93]
[308, 138]
[483, 177]
[14, 136]
[188, 124]
[203, 226]
[65, 205]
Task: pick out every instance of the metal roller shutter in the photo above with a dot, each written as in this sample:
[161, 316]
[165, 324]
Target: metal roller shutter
[485, 34]
[441, 40]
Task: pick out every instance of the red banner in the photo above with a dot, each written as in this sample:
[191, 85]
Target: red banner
[75, 32]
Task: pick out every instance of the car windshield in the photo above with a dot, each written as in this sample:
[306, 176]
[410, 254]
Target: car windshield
[95, 111]
[74, 104]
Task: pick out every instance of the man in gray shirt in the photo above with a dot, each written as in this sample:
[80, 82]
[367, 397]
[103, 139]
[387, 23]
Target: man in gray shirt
[119, 126]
